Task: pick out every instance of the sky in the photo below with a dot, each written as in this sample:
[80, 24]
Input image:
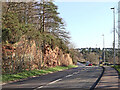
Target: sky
[87, 21]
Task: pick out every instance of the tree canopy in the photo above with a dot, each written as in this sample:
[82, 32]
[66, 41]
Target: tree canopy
[36, 20]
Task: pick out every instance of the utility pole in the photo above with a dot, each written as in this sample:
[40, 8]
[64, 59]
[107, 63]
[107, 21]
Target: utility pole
[113, 35]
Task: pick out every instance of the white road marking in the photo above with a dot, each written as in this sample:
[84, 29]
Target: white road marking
[39, 87]
[49, 83]
[69, 75]
[75, 72]
[54, 81]
[72, 74]
[58, 80]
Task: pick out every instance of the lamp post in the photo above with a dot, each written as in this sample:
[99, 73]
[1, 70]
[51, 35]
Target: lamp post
[113, 35]
[103, 49]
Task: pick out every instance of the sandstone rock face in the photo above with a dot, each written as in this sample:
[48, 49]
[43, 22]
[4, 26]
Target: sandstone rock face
[56, 57]
[26, 55]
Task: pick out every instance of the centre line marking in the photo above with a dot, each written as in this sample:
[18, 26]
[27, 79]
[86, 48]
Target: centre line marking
[49, 83]
[54, 81]
[75, 72]
[69, 75]
[39, 87]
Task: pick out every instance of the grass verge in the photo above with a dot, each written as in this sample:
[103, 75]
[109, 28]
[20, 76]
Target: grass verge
[27, 74]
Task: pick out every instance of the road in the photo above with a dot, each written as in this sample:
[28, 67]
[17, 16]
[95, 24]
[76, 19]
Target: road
[80, 77]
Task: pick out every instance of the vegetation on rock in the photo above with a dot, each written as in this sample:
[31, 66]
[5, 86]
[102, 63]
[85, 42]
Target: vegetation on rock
[33, 36]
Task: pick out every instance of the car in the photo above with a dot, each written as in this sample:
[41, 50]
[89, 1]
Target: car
[90, 65]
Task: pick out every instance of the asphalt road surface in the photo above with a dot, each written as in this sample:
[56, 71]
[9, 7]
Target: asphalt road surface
[80, 77]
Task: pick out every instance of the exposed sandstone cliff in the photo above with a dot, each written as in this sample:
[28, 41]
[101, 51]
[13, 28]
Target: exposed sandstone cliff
[26, 55]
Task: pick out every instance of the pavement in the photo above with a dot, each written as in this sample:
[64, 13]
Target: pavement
[109, 80]
[77, 78]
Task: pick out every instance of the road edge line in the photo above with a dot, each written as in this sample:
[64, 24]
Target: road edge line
[94, 85]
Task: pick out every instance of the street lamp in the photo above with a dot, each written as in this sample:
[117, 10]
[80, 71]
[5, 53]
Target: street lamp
[113, 34]
[103, 49]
